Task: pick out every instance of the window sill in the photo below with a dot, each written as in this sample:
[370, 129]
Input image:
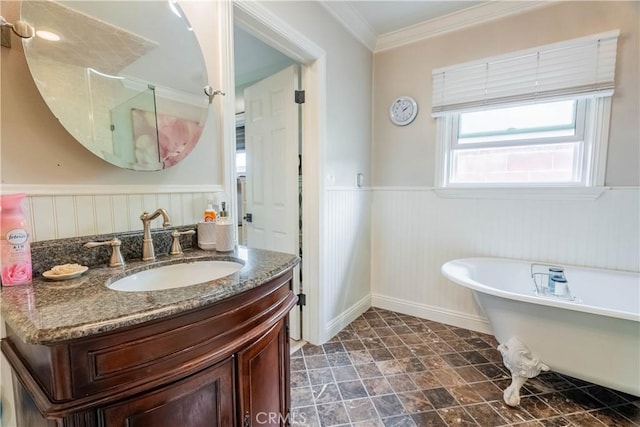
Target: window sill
[523, 193]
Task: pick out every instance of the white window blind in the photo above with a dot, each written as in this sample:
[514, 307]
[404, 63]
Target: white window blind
[569, 69]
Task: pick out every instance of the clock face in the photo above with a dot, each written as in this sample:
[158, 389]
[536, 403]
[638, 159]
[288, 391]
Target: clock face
[403, 110]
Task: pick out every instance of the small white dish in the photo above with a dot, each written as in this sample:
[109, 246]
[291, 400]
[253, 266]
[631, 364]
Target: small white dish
[52, 276]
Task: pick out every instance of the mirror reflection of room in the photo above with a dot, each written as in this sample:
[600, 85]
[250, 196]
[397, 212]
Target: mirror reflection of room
[102, 71]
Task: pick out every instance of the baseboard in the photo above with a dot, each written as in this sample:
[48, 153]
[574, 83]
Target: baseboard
[424, 311]
[349, 315]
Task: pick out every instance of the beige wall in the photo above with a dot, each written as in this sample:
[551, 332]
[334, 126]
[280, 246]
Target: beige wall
[348, 89]
[405, 156]
[36, 149]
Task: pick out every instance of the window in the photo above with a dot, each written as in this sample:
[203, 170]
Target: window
[529, 144]
[531, 118]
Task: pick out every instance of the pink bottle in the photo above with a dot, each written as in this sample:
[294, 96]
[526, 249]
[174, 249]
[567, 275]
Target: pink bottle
[15, 249]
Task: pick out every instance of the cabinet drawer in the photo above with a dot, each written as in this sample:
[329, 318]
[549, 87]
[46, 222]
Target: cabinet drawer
[144, 357]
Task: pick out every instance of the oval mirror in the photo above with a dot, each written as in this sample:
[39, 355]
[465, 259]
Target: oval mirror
[124, 78]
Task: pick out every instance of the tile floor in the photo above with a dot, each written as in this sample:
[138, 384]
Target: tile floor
[389, 369]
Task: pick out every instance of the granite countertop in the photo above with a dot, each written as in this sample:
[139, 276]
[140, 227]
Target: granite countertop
[47, 312]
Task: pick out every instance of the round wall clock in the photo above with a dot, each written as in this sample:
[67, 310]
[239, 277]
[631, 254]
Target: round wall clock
[403, 110]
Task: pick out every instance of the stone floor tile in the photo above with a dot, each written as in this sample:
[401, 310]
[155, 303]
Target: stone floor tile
[301, 397]
[611, 417]
[338, 359]
[377, 386]
[440, 398]
[401, 421]
[537, 407]
[299, 379]
[320, 376]
[431, 419]
[414, 402]
[448, 377]
[388, 405]
[584, 419]
[368, 423]
[485, 415]
[470, 374]
[391, 369]
[352, 390]
[297, 364]
[425, 380]
[312, 350]
[360, 356]
[465, 394]
[316, 362]
[401, 383]
[457, 416]
[332, 414]
[555, 422]
[326, 393]
[368, 370]
[361, 409]
[344, 373]
[304, 417]
[511, 414]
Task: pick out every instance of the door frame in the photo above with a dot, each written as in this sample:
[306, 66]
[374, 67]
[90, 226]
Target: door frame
[260, 22]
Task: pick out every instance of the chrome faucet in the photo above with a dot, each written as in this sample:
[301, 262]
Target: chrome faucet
[148, 253]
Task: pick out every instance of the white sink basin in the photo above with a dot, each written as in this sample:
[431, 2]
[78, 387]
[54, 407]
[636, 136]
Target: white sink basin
[175, 276]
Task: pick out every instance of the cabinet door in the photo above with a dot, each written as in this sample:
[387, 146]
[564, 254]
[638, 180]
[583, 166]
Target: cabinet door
[205, 399]
[263, 373]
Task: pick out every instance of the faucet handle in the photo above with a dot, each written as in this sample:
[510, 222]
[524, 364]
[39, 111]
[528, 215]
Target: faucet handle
[116, 259]
[176, 249]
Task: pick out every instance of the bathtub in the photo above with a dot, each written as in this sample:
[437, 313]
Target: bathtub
[594, 337]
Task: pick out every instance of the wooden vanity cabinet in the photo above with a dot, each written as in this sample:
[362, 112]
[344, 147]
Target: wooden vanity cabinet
[264, 374]
[226, 364]
[204, 400]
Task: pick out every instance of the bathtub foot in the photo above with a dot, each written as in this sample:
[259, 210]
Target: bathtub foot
[518, 359]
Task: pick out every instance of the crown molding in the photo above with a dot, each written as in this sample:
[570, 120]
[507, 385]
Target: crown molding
[353, 22]
[475, 15]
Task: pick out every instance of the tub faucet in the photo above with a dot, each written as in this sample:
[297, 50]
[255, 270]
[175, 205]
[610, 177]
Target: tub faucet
[148, 253]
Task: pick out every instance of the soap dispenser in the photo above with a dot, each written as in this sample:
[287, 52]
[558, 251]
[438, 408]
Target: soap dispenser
[224, 231]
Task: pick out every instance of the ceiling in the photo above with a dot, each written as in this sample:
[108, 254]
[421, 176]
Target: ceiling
[380, 25]
[388, 16]
[254, 60]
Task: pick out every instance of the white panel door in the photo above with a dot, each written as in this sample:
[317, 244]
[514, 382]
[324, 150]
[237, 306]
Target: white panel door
[271, 143]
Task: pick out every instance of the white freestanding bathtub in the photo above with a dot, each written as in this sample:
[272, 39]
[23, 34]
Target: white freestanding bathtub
[594, 337]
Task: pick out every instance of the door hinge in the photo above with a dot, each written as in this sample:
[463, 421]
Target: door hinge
[299, 97]
[302, 300]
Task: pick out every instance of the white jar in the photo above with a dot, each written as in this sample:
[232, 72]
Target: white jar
[560, 288]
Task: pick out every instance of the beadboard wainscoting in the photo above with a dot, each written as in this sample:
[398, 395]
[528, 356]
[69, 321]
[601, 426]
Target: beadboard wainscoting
[60, 212]
[345, 292]
[414, 232]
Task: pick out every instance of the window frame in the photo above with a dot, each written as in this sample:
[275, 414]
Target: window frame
[594, 127]
[579, 121]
